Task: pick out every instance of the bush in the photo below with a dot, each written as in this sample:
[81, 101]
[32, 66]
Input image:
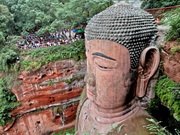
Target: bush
[172, 19]
[155, 128]
[7, 59]
[66, 132]
[163, 114]
[8, 102]
[13, 39]
[8, 56]
[169, 94]
[43, 56]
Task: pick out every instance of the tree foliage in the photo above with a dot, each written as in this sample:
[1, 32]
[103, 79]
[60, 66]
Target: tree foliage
[21, 17]
[44, 16]
[169, 94]
[79, 12]
[7, 58]
[8, 102]
[33, 15]
[8, 54]
[5, 19]
[172, 19]
[149, 4]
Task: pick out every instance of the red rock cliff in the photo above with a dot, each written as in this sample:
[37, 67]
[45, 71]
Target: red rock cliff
[49, 99]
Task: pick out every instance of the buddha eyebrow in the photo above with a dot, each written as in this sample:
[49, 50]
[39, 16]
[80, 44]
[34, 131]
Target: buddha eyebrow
[103, 55]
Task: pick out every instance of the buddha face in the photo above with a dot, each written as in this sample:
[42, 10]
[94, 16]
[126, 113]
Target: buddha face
[108, 73]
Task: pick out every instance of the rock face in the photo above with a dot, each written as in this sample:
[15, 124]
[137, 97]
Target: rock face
[170, 58]
[49, 98]
[171, 61]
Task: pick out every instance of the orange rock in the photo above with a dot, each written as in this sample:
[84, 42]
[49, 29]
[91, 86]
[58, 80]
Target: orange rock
[171, 67]
[40, 93]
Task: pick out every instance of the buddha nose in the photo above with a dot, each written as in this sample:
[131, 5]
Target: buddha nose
[90, 80]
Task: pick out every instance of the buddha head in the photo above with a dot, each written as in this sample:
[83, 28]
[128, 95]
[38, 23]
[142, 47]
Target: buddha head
[121, 56]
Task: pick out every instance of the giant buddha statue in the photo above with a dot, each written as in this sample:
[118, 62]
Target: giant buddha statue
[121, 59]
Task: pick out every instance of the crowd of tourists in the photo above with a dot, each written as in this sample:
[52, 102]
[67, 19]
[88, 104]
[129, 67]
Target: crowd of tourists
[33, 41]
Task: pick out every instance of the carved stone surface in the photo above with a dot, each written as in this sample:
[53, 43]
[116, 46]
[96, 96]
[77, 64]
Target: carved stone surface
[117, 76]
[49, 98]
[126, 25]
[171, 61]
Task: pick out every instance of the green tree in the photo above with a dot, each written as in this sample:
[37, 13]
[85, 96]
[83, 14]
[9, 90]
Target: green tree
[5, 19]
[2, 1]
[44, 16]
[34, 15]
[2, 39]
[78, 12]
[7, 59]
[149, 4]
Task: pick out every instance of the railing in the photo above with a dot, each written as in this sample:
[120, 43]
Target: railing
[157, 12]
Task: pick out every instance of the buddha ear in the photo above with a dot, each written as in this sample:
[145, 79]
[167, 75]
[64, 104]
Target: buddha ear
[148, 65]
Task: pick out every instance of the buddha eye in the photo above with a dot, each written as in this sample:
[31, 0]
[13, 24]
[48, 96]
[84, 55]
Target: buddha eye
[104, 64]
[105, 67]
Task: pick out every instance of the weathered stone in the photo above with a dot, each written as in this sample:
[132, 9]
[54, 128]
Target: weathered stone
[117, 75]
[48, 101]
[171, 65]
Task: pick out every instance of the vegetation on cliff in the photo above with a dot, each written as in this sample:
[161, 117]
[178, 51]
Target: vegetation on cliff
[172, 19]
[167, 91]
[8, 102]
[149, 4]
[9, 54]
[44, 16]
[43, 56]
[11, 60]
[9, 64]
[66, 132]
[169, 94]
